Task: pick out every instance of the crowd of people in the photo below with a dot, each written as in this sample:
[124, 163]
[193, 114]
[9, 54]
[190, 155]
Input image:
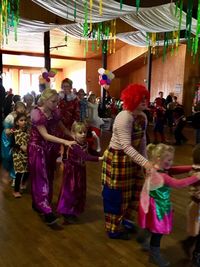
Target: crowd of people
[136, 178]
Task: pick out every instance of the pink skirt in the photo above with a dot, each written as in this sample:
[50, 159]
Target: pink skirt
[151, 221]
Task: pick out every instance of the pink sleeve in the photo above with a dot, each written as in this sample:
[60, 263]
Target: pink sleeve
[178, 183]
[180, 169]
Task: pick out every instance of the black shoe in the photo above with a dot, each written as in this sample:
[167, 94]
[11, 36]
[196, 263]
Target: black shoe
[70, 219]
[36, 209]
[121, 235]
[196, 259]
[187, 245]
[50, 218]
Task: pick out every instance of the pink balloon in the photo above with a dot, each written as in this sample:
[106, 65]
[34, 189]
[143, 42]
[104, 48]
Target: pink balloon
[52, 74]
[102, 82]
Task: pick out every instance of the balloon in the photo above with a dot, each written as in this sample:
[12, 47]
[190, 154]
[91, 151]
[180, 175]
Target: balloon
[45, 75]
[108, 81]
[112, 76]
[102, 82]
[104, 77]
[106, 72]
[101, 71]
[52, 74]
[48, 80]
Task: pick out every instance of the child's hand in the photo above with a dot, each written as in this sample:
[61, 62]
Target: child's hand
[69, 143]
[101, 158]
[197, 174]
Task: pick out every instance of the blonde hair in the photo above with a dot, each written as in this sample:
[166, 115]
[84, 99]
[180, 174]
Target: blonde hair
[158, 151]
[19, 104]
[91, 96]
[78, 127]
[46, 94]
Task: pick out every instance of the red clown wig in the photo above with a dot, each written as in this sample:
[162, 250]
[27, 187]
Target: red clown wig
[132, 96]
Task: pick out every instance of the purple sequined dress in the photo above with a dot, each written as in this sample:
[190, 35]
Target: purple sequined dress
[42, 157]
[73, 190]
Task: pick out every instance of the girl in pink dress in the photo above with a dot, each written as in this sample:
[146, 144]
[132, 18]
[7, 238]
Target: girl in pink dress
[155, 210]
[73, 190]
[43, 150]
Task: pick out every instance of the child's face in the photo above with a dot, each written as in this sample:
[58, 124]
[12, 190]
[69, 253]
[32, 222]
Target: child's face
[80, 136]
[22, 122]
[167, 161]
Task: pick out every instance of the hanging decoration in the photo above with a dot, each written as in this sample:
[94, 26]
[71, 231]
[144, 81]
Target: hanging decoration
[137, 5]
[196, 45]
[102, 34]
[9, 17]
[105, 78]
[45, 78]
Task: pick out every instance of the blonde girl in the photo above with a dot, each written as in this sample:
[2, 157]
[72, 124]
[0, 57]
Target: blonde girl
[155, 212]
[72, 197]
[43, 150]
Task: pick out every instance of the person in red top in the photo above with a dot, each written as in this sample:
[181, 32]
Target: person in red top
[69, 105]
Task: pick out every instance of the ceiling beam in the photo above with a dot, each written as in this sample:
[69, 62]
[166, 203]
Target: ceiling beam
[31, 11]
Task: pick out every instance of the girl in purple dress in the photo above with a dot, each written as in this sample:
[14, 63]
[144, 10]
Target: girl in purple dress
[73, 190]
[43, 150]
[155, 209]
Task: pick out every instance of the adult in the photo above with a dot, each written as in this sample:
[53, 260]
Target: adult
[161, 98]
[122, 175]
[69, 105]
[43, 150]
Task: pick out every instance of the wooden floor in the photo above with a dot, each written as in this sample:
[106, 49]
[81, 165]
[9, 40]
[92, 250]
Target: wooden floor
[26, 241]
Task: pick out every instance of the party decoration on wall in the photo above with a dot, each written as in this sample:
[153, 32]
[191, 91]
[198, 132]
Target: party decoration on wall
[45, 78]
[9, 17]
[105, 78]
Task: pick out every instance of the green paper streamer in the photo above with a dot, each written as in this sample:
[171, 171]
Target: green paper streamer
[180, 20]
[137, 5]
[121, 4]
[74, 10]
[197, 30]
[189, 23]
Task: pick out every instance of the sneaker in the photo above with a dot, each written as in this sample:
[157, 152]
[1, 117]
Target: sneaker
[50, 218]
[17, 194]
[130, 226]
[13, 183]
[70, 219]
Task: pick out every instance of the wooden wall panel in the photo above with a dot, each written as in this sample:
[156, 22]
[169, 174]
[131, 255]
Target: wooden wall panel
[168, 76]
[191, 78]
[92, 76]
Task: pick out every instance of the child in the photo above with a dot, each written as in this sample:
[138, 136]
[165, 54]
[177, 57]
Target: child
[155, 211]
[193, 214]
[7, 139]
[73, 190]
[20, 153]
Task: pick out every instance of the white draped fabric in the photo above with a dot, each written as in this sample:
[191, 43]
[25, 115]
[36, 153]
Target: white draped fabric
[65, 9]
[155, 19]
[158, 19]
